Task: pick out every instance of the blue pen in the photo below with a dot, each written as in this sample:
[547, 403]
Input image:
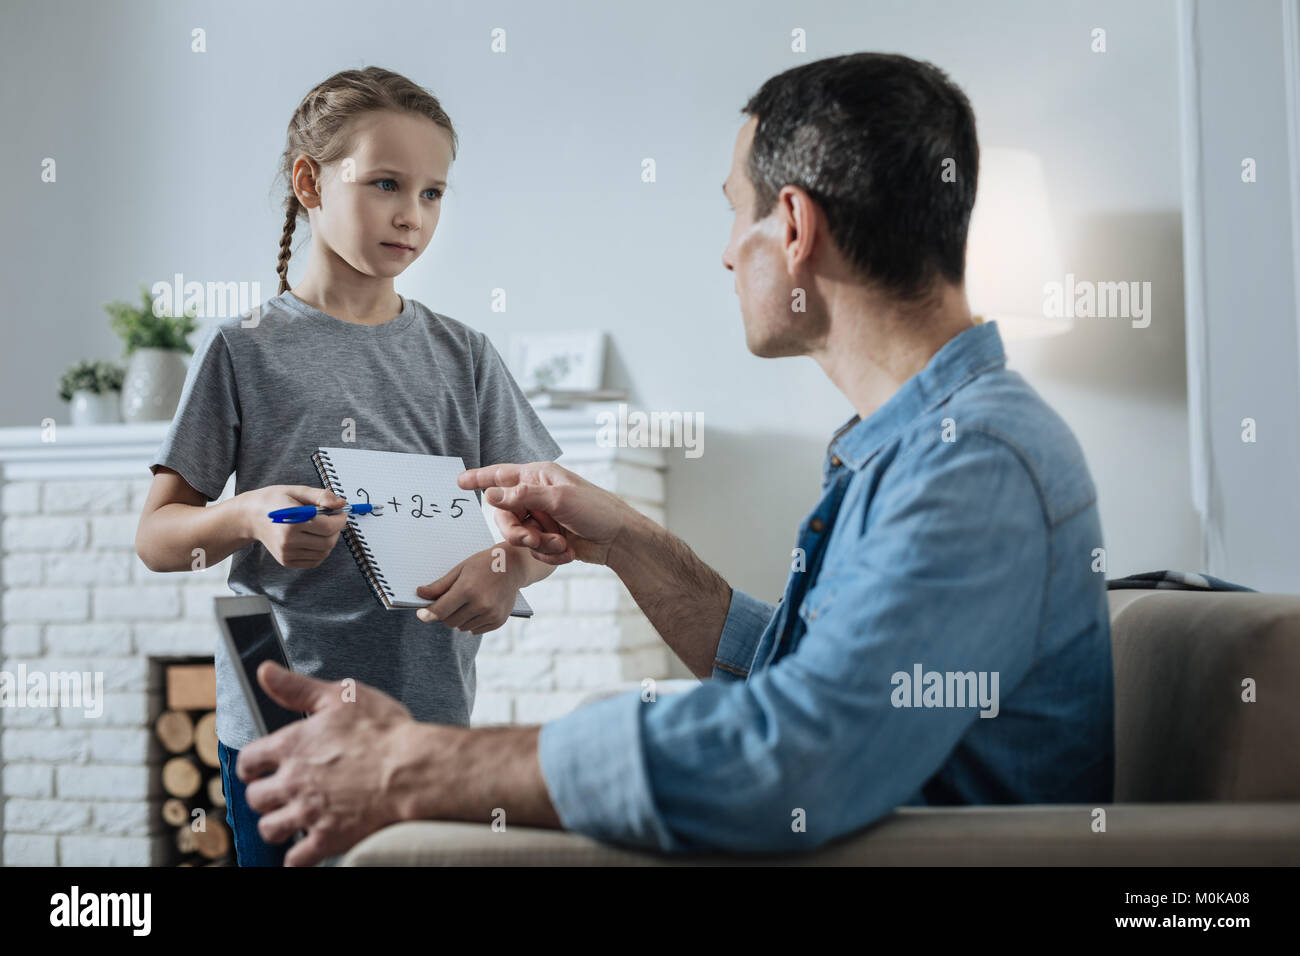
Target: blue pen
[307, 512]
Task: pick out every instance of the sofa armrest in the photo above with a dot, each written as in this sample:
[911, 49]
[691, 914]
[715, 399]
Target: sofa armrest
[1137, 834]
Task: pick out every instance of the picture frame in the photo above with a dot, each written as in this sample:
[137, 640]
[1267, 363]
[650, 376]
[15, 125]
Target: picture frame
[564, 361]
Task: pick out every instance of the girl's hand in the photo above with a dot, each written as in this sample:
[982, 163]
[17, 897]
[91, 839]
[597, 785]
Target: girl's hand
[473, 596]
[303, 545]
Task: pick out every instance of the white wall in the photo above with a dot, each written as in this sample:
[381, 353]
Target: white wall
[166, 157]
[1244, 303]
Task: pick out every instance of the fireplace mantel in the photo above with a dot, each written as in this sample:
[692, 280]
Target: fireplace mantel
[80, 451]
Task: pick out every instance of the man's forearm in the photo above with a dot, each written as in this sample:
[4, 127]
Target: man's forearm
[457, 773]
[684, 598]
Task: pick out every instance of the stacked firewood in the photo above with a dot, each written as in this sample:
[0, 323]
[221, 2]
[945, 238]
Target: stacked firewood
[193, 801]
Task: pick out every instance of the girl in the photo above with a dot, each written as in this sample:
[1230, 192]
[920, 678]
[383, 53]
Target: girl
[341, 357]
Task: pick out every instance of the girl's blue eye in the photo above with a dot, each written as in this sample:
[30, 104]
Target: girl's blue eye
[437, 193]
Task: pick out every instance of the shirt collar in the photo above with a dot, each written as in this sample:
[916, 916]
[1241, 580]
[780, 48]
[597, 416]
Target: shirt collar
[970, 353]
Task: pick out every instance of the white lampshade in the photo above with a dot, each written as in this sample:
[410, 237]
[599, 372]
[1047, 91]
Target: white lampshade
[1011, 250]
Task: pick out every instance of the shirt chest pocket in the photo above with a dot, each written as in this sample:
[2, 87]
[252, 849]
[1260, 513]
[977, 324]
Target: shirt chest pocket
[816, 602]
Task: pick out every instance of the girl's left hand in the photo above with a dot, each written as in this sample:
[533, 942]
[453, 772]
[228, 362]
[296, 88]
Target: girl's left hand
[474, 596]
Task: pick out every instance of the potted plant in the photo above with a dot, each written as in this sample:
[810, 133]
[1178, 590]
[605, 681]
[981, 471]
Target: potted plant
[94, 388]
[157, 348]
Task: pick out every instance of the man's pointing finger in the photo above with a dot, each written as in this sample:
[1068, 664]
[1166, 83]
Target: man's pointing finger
[489, 476]
[521, 498]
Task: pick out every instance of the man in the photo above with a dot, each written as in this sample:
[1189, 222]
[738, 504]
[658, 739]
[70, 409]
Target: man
[943, 637]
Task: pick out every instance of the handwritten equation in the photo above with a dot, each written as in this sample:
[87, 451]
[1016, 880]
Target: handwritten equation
[418, 508]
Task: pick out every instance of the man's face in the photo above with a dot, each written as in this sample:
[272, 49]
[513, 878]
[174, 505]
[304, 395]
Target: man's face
[390, 193]
[755, 254]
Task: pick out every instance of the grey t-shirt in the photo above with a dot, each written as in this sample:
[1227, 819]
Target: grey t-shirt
[259, 400]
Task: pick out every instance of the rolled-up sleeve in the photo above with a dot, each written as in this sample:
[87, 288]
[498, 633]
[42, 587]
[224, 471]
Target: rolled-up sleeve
[593, 758]
[593, 762]
[814, 747]
[747, 619]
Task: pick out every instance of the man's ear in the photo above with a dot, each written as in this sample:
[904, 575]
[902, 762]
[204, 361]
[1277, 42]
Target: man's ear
[799, 218]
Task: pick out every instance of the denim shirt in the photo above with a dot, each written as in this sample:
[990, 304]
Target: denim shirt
[943, 638]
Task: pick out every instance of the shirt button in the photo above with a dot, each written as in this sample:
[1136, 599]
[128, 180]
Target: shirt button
[816, 525]
[835, 461]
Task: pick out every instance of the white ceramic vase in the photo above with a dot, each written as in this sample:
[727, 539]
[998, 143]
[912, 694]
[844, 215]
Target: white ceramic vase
[95, 408]
[152, 387]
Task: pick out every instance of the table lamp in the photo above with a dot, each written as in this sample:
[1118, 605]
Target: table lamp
[1011, 249]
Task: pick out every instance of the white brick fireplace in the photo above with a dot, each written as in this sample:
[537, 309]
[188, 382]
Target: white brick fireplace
[83, 790]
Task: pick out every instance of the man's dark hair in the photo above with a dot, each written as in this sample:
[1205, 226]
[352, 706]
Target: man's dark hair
[867, 135]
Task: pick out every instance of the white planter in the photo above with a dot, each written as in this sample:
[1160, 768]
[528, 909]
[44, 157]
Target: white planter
[94, 408]
[153, 384]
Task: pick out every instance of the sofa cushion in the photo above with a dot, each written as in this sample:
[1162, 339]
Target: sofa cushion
[1240, 834]
[1183, 731]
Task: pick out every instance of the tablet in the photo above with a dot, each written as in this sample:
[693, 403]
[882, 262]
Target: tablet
[252, 636]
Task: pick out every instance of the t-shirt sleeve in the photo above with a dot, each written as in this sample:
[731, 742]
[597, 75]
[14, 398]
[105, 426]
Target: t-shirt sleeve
[509, 429]
[203, 441]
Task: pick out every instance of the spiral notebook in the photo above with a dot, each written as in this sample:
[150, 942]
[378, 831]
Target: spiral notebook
[429, 524]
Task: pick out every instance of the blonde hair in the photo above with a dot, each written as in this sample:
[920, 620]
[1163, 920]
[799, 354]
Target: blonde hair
[321, 129]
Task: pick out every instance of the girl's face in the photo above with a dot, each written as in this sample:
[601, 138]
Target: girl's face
[377, 209]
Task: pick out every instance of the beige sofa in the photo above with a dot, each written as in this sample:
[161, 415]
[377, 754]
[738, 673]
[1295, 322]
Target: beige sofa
[1201, 777]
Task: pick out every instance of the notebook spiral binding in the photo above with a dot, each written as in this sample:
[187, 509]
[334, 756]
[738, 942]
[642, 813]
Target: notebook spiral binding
[361, 552]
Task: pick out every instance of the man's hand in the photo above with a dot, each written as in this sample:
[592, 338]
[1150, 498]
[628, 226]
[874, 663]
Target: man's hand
[551, 511]
[360, 763]
[478, 594]
[559, 517]
[331, 774]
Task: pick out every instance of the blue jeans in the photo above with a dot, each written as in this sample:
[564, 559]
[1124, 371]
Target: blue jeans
[250, 848]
